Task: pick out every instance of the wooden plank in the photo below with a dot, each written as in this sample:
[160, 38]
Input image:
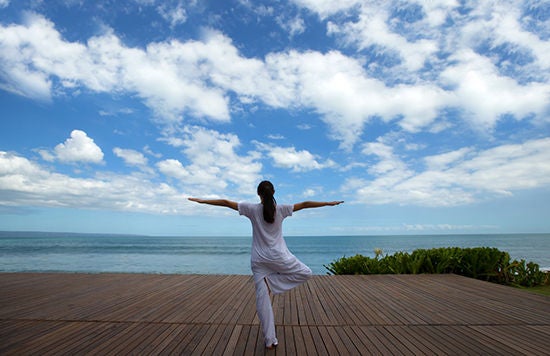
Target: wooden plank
[259, 347]
[232, 342]
[305, 316]
[328, 342]
[227, 310]
[47, 340]
[350, 343]
[120, 340]
[111, 314]
[359, 296]
[511, 339]
[304, 341]
[343, 310]
[180, 339]
[309, 298]
[25, 332]
[208, 338]
[79, 333]
[330, 316]
[411, 340]
[287, 343]
[248, 306]
[163, 340]
[286, 308]
[318, 341]
[361, 343]
[243, 340]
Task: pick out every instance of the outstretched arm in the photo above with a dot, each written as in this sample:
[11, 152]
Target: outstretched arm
[218, 202]
[315, 204]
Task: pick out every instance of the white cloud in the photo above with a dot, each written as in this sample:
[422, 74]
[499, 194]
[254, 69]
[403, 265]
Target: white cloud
[339, 89]
[172, 80]
[46, 155]
[304, 127]
[25, 183]
[289, 157]
[502, 23]
[78, 148]
[294, 26]
[125, 111]
[130, 157]
[387, 160]
[174, 168]
[275, 137]
[308, 193]
[174, 15]
[214, 162]
[150, 152]
[482, 84]
[205, 78]
[167, 76]
[33, 53]
[415, 41]
[458, 177]
[485, 95]
[4, 3]
[372, 30]
[437, 11]
[175, 78]
[443, 160]
[326, 8]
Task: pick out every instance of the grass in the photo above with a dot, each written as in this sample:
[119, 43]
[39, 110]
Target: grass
[544, 289]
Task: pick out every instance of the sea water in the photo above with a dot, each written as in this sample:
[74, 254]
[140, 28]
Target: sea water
[97, 253]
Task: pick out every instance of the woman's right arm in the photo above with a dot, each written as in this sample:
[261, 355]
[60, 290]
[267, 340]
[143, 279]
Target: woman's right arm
[315, 204]
[218, 202]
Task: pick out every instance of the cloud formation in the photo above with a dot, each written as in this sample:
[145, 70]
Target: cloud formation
[425, 72]
[27, 183]
[453, 178]
[438, 70]
[79, 148]
[296, 160]
[131, 157]
[214, 162]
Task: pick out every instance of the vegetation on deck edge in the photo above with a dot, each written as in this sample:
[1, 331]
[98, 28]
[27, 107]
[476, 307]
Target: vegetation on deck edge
[485, 263]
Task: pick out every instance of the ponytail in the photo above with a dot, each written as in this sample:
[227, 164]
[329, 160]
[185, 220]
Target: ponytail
[266, 192]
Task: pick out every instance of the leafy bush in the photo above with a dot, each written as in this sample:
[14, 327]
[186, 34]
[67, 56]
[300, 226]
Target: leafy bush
[527, 275]
[484, 263]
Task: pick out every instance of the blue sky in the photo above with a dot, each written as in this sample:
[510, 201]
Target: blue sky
[426, 117]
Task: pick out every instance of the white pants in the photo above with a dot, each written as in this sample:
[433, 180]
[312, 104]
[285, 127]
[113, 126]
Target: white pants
[276, 283]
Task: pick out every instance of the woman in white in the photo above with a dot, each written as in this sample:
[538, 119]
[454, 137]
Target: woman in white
[274, 267]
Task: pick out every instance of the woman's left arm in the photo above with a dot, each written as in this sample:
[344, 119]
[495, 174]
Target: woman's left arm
[218, 202]
[315, 204]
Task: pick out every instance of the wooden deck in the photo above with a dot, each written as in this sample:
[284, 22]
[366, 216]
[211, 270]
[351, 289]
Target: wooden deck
[215, 315]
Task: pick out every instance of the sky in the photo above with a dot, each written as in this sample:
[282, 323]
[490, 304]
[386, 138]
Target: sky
[425, 117]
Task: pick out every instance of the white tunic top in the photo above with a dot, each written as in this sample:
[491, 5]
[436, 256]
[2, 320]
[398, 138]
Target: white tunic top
[270, 254]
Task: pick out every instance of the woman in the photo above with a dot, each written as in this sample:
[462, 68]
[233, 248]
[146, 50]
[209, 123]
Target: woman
[274, 267]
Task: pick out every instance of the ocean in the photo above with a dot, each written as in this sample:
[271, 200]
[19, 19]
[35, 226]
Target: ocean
[101, 253]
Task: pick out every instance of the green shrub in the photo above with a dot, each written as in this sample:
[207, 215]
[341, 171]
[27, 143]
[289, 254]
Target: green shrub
[526, 275]
[484, 263]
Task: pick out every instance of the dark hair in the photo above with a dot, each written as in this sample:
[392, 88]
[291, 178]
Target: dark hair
[266, 191]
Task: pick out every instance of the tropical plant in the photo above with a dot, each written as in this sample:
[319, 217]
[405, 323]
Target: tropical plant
[484, 263]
